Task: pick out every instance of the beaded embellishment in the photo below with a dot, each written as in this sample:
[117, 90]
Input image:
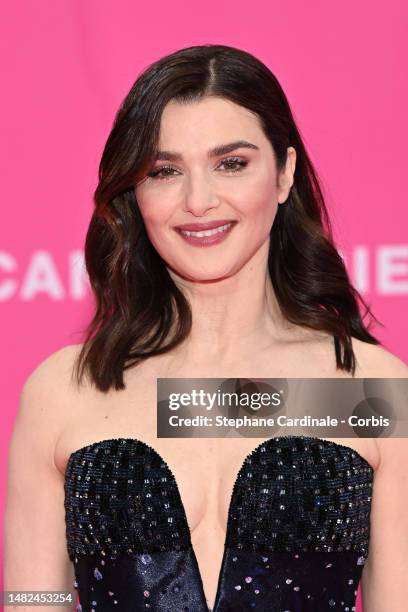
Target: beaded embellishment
[297, 533]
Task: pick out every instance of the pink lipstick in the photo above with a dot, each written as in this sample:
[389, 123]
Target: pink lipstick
[206, 234]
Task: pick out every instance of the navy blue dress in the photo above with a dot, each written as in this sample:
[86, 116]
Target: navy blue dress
[297, 533]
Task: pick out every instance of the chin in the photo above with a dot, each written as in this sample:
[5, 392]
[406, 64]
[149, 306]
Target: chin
[210, 276]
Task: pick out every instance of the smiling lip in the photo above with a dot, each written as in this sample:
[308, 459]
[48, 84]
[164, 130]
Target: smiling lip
[205, 237]
[201, 227]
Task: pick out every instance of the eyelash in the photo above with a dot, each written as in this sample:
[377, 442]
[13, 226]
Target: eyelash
[234, 160]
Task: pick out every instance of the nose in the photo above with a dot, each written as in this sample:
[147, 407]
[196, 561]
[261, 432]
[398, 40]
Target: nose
[200, 195]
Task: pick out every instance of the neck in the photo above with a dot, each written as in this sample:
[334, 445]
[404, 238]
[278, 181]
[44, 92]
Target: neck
[232, 317]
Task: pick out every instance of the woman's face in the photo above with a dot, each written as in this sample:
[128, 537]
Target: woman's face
[191, 184]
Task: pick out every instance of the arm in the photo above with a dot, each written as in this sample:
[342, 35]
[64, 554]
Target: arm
[36, 557]
[385, 575]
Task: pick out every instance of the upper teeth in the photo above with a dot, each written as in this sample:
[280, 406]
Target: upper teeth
[210, 232]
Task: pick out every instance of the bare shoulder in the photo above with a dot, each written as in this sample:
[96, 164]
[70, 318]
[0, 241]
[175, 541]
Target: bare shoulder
[394, 450]
[53, 372]
[375, 361]
[47, 390]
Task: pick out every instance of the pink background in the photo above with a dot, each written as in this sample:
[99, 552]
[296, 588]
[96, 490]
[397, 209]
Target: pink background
[66, 66]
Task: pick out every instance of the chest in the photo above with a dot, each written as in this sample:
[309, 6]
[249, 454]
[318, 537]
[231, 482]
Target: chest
[205, 469]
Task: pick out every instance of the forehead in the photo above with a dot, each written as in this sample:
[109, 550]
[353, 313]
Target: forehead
[207, 121]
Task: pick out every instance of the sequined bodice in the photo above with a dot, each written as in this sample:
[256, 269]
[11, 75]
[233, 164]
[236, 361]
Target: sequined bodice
[296, 541]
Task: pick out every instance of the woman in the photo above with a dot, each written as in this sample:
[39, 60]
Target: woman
[210, 254]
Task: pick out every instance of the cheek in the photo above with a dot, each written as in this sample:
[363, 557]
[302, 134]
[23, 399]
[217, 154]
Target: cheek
[153, 210]
[258, 188]
[258, 201]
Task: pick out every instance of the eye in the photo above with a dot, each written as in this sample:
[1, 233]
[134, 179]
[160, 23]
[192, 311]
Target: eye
[231, 164]
[157, 172]
[234, 161]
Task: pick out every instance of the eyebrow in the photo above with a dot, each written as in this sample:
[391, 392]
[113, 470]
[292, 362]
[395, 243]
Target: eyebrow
[219, 150]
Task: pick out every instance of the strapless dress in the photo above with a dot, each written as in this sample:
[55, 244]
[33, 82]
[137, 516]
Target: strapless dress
[297, 533]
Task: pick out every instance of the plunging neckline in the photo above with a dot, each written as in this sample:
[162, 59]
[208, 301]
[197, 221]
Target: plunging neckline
[268, 441]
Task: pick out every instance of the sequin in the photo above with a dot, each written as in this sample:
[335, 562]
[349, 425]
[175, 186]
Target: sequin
[124, 512]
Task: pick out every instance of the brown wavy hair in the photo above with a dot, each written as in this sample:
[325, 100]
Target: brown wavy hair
[140, 312]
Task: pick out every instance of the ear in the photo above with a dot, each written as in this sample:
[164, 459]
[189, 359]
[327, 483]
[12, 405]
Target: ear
[286, 177]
